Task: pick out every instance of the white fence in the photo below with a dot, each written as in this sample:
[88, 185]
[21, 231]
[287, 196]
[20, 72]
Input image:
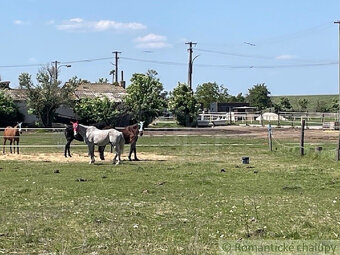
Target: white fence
[282, 118]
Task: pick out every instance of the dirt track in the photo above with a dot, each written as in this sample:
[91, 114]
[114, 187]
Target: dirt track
[76, 157]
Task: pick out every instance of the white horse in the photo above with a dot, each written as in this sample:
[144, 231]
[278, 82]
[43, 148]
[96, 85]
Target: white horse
[94, 136]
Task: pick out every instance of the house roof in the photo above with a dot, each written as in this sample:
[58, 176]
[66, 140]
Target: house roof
[16, 94]
[92, 90]
[86, 90]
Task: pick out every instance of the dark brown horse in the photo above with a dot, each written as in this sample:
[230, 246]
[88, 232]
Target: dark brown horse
[131, 136]
[12, 134]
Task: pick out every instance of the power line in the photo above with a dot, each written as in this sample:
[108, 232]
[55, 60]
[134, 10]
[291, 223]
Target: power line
[235, 54]
[231, 66]
[330, 63]
[85, 60]
[27, 65]
[255, 56]
[154, 61]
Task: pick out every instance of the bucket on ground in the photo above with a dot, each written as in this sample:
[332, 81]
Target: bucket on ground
[245, 160]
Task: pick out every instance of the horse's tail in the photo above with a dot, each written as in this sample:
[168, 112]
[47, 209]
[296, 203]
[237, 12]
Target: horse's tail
[121, 143]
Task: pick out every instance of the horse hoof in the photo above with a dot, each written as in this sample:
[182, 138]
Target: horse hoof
[129, 158]
[137, 159]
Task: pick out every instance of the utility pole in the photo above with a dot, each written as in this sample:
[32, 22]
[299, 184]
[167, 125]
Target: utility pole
[338, 22]
[190, 64]
[56, 67]
[55, 70]
[116, 64]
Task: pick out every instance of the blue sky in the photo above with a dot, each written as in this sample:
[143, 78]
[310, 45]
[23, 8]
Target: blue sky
[291, 46]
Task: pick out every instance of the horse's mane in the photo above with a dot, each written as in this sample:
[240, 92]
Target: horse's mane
[132, 128]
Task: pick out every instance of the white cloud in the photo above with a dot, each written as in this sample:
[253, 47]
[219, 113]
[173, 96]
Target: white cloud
[152, 41]
[18, 22]
[285, 57]
[80, 25]
[151, 38]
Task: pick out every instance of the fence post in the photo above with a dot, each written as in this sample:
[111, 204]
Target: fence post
[323, 118]
[292, 120]
[338, 150]
[270, 137]
[278, 119]
[302, 139]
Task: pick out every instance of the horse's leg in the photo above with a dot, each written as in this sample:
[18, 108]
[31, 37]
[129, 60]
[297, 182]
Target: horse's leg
[116, 155]
[67, 148]
[17, 146]
[135, 152]
[3, 150]
[10, 145]
[101, 150]
[91, 152]
[131, 149]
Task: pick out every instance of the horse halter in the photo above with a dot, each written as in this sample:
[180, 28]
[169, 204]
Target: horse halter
[75, 126]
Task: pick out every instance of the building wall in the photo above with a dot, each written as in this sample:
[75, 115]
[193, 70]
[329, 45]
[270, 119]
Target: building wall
[225, 107]
[29, 119]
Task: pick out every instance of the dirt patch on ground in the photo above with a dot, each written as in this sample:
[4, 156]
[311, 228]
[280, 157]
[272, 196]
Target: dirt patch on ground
[76, 157]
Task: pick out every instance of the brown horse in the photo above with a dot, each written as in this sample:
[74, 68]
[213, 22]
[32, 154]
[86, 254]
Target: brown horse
[12, 134]
[131, 136]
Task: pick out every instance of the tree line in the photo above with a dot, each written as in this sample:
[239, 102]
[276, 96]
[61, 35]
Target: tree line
[146, 99]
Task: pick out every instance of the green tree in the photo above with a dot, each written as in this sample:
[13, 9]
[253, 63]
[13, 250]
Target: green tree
[258, 96]
[285, 104]
[303, 104]
[145, 97]
[9, 113]
[184, 105]
[99, 110]
[321, 106]
[103, 80]
[46, 96]
[334, 106]
[239, 98]
[210, 92]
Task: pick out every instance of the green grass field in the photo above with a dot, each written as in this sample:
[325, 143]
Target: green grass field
[182, 205]
[313, 100]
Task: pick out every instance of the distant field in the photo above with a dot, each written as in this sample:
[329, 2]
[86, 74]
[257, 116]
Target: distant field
[313, 100]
